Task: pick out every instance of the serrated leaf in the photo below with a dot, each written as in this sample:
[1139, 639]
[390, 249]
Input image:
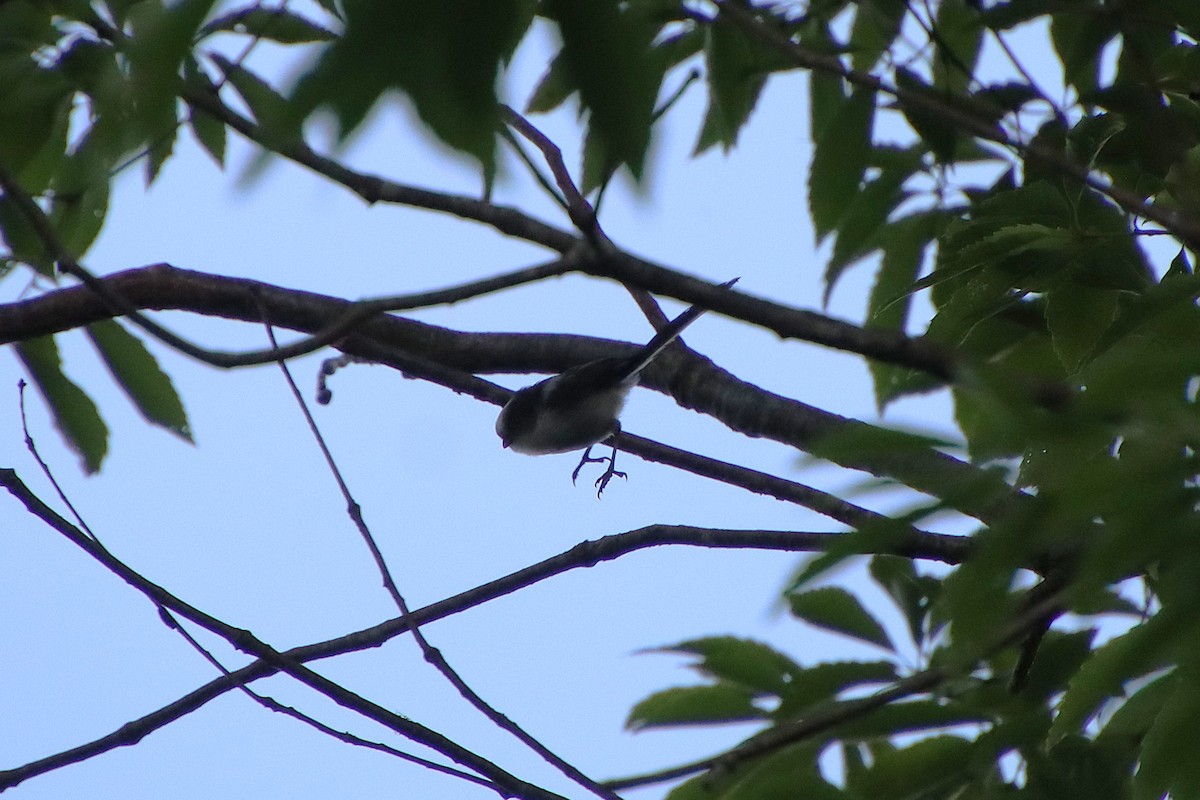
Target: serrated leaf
[694, 705]
[859, 232]
[81, 194]
[1079, 40]
[935, 130]
[959, 39]
[138, 374]
[1126, 657]
[275, 24]
[209, 131]
[267, 105]
[1139, 711]
[911, 717]
[931, 767]
[75, 415]
[24, 243]
[839, 611]
[1078, 317]
[876, 25]
[839, 159]
[1168, 764]
[444, 56]
[913, 594]
[1078, 768]
[608, 55]
[785, 774]
[741, 662]
[34, 117]
[735, 80]
[822, 683]
[161, 41]
[904, 244]
[553, 88]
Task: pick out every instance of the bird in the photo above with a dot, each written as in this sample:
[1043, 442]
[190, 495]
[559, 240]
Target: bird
[580, 407]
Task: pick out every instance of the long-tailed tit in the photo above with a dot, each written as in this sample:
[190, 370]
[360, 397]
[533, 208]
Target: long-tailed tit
[579, 408]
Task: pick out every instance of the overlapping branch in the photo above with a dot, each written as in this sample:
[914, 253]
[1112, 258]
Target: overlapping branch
[446, 357]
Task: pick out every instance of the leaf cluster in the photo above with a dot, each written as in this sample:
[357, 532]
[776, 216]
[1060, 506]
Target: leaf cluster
[1001, 218]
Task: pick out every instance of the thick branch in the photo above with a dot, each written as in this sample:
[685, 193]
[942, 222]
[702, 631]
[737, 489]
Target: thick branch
[441, 355]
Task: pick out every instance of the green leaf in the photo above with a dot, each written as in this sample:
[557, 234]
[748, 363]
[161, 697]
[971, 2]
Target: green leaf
[837, 610]
[24, 243]
[608, 55]
[444, 56]
[1078, 317]
[860, 231]
[876, 25]
[81, 196]
[694, 705]
[1079, 40]
[785, 774]
[959, 38]
[161, 41]
[74, 413]
[1080, 769]
[904, 242]
[736, 77]
[137, 372]
[911, 717]
[1139, 711]
[267, 105]
[742, 662]
[34, 116]
[939, 133]
[929, 768]
[1168, 758]
[822, 683]
[553, 89]
[839, 160]
[913, 594]
[1129, 656]
[276, 24]
[209, 131]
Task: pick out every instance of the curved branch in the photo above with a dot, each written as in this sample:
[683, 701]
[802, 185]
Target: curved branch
[444, 356]
[884, 345]
[937, 547]
[246, 642]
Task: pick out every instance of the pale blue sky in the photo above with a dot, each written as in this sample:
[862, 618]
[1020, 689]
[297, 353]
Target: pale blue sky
[247, 525]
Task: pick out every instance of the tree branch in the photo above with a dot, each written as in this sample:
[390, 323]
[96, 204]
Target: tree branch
[246, 642]
[444, 356]
[959, 113]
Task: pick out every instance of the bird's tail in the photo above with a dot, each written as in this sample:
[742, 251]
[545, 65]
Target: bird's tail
[667, 335]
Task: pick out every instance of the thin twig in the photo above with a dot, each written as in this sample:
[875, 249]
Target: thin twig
[246, 642]
[958, 113]
[938, 547]
[431, 654]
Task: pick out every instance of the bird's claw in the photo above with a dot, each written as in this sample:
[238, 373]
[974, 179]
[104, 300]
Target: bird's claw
[610, 471]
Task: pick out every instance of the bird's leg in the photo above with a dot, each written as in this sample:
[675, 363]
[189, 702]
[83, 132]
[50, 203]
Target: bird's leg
[611, 471]
[587, 459]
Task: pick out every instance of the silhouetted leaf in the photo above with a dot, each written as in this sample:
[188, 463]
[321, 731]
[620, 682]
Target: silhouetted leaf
[74, 413]
[839, 159]
[607, 54]
[275, 24]
[137, 372]
[694, 705]
[837, 610]
[742, 662]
